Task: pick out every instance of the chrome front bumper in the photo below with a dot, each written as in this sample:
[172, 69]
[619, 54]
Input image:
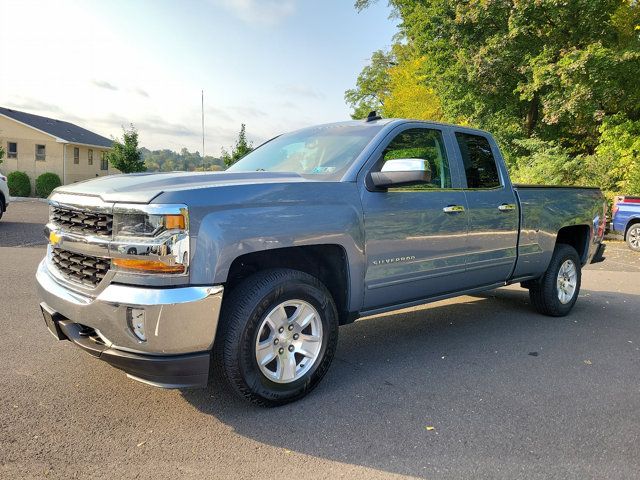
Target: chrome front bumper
[178, 320]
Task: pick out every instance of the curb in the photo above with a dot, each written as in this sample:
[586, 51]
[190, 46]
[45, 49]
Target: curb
[27, 199]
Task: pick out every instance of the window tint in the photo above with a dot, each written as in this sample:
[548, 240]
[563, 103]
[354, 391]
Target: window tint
[424, 144]
[479, 164]
[12, 150]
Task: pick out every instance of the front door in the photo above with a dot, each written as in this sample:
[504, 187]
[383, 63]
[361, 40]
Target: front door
[415, 236]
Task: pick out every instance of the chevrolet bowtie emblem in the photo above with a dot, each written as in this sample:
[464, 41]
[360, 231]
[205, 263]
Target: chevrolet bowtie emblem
[54, 238]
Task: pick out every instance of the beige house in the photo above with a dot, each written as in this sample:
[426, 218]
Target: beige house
[35, 145]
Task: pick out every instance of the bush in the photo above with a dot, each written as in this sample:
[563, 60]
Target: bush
[45, 184]
[19, 184]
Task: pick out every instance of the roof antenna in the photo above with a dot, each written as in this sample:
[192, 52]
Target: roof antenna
[373, 116]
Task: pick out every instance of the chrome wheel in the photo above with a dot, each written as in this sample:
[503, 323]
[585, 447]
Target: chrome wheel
[289, 341]
[633, 237]
[567, 281]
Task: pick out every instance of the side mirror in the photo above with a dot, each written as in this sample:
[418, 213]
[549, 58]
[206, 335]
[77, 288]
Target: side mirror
[401, 172]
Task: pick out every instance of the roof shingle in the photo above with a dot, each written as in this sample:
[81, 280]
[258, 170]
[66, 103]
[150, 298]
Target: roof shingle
[66, 131]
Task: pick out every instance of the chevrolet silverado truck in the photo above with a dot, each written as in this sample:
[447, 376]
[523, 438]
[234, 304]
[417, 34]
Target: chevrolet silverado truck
[168, 276]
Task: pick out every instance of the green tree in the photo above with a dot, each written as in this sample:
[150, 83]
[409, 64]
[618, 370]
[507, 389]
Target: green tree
[241, 148]
[1, 154]
[125, 155]
[395, 85]
[372, 86]
[550, 79]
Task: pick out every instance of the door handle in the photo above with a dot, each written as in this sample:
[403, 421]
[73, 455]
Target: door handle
[453, 209]
[506, 207]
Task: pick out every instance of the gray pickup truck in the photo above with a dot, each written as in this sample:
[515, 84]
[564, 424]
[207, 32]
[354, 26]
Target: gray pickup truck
[250, 271]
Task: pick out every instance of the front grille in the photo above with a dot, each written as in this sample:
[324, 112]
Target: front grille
[81, 221]
[81, 268]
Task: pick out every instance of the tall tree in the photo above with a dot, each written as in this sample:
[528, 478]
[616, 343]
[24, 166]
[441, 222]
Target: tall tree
[125, 155]
[395, 85]
[372, 85]
[554, 81]
[239, 150]
[527, 68]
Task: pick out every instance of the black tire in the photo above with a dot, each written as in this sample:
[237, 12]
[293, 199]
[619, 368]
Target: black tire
[544, 291]
[242, 314]
[633, 236]
[2, 205]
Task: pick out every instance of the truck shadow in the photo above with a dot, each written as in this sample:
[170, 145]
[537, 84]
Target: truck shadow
[482, 371]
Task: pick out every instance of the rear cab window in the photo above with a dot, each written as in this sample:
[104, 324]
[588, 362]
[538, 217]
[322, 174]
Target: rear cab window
[479, 163]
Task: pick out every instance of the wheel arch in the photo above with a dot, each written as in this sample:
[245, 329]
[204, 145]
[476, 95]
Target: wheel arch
[631, 222]
[327, 262]
[576, 236]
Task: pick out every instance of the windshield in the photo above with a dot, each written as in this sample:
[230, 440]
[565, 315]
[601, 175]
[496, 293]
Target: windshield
[324, 150]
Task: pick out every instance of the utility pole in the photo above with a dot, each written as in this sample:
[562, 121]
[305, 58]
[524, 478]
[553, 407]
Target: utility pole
[202, 98]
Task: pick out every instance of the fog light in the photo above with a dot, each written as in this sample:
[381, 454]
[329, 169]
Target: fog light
[136, 321]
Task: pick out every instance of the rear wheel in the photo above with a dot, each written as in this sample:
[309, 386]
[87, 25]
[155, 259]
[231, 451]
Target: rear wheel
[556, 292]
[2, 206]
[279, 332]
[633, 237]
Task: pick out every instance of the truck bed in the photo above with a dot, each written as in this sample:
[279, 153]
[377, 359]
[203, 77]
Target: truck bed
[544, 211]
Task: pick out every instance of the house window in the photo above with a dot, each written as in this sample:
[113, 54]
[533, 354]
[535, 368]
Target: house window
[12, 150]
[90, 156]
[40, 152]
[104, 163]
[76, 155]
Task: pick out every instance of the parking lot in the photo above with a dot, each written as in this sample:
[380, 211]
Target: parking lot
[475, 387]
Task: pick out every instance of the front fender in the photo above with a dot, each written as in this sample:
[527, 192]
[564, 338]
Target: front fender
[325, 216]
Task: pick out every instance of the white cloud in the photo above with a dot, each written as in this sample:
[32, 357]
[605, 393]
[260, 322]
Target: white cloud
[103, 84]
[259, 12]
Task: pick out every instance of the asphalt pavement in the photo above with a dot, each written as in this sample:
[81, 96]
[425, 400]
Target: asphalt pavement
[475, 387]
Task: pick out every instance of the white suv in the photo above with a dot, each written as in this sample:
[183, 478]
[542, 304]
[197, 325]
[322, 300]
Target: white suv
[4, 194]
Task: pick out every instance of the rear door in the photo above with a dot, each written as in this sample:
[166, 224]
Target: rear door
[492, 210]
[415, 236]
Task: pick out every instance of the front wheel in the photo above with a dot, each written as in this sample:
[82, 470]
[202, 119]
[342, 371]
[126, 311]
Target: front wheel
[556, 292]
[633, 237]
[278, 335]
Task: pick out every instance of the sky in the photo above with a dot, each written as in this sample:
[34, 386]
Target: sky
[275, 65]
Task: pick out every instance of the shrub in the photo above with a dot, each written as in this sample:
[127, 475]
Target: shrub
[19, 184]
[45, 184]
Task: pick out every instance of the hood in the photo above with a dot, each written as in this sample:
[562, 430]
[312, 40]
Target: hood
[144, 187]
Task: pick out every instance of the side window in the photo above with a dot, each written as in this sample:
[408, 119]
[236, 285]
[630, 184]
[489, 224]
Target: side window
[90, 157]
[76, 155]
[12, 150]
[423, 144]
[41, 153]
[479, 164]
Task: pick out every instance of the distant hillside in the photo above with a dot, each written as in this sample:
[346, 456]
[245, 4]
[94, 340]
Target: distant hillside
[168, 160]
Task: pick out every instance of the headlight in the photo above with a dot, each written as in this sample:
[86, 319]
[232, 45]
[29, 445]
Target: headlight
[151, 238]
[147, 225]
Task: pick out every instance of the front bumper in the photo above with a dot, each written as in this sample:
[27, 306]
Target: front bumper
[170, 371]
[180, 325]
